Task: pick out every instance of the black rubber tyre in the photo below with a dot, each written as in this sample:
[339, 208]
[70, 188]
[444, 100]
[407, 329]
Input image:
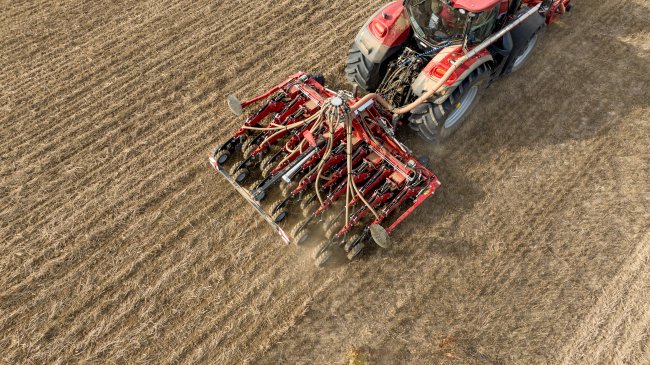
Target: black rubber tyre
[221, 157]
[433, 122]
[280, 216]
[306, 206]
[355, 251]
[287, 188]
[525, 53]
[248, 147]
[267, 165]
[320, 249]
[352, 241]
[361, 71]
[331, 231]
[301, 237]
[321, 259]
[239, 174]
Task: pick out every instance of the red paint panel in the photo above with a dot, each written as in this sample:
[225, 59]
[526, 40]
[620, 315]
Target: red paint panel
[437, 70]
[475, 5]
[390, 25]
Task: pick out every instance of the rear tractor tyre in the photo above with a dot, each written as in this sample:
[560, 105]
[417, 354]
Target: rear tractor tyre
[361, 71]
[437, 122]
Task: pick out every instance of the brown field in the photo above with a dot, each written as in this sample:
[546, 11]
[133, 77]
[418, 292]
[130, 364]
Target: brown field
[120, 245]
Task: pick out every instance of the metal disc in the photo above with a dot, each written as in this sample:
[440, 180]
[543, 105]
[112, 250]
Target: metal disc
[380, 236]
[235, 105]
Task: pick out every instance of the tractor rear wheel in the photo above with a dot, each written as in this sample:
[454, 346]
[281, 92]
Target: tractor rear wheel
[361, 71]
[436, 122]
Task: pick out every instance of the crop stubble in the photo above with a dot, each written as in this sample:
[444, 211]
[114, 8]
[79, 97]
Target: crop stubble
[120, 245]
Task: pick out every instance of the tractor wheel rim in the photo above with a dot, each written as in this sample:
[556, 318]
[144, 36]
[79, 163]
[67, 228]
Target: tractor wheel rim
[522, 57]
[462, 107]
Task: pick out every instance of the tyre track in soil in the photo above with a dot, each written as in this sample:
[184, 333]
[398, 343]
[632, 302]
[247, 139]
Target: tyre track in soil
[110, 63]
[100, 171]
[42, 297]
[75, 69]
[202, 335]
[123, 40]
[75, 333]
[62, 41]
[129, 315]
[517, 236]
[505, 165]
[35, 153]
[156, 66]
[139, 267]
[73, 101]
[149, 182]
[620, 320]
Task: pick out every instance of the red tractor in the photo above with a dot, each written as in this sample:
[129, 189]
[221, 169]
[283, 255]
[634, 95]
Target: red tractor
[406, 47]
[325, 166]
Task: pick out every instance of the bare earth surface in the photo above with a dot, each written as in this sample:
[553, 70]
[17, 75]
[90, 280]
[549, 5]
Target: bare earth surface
[118, 244]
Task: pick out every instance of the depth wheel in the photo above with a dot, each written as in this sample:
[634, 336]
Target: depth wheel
[287, 188]
[221, 156]
[322, 247]
[355, 251]
[280, 216]
[322, 259]
[301, 237]
[331, 231]
[240, 175]
[352, 241]
[308, 203]
[248, 147]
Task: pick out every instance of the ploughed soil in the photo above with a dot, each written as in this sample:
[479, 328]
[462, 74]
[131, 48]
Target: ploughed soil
[119, 244]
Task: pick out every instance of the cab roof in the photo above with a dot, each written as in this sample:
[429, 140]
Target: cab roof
[475, 6]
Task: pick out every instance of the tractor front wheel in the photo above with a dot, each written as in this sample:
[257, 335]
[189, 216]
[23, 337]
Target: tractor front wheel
[436, 122]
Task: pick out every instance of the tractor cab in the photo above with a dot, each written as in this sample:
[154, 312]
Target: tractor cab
[440, 21]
